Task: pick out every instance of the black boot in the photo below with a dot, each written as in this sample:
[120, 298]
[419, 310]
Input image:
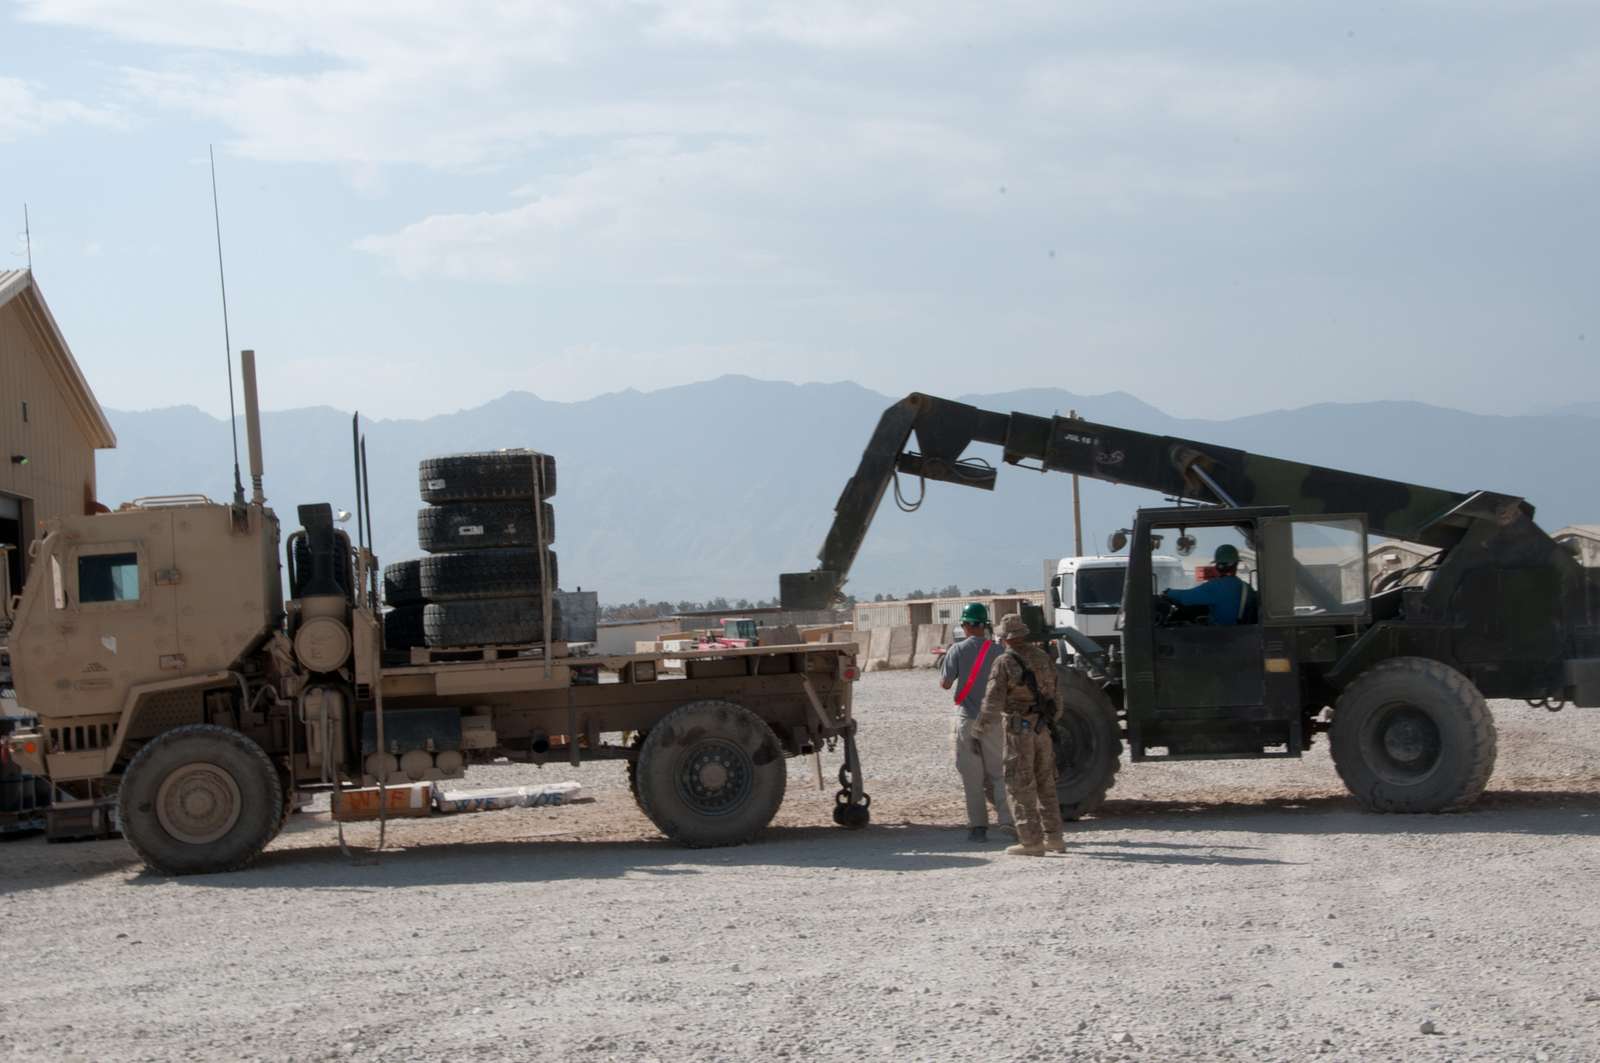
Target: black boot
[978, 834]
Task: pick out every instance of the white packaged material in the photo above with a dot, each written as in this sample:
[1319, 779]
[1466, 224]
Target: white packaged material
[555, 793]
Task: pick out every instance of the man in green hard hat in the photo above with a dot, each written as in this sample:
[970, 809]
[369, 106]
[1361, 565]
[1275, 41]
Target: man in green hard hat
[1226, 595]
[966, 666]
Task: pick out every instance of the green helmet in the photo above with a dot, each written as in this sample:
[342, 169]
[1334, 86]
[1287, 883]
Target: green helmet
[1227, 554]
[975, 613]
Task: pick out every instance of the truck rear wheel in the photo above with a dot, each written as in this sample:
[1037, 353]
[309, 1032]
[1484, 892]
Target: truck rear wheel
[200, 799]
[1413, 735]
[493, 474]
[711, 773]
[1088, 743]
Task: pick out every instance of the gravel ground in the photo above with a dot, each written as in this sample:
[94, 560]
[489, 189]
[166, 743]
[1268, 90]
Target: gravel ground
[1232, 910]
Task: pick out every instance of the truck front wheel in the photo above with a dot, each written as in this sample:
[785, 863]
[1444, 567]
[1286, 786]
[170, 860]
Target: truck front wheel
[711, 773]
[200, 799]
[1413, 735]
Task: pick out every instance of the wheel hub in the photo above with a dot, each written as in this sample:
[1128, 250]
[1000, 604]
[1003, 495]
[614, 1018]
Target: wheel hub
[716, 777]
[198, 803]
[1405, 743]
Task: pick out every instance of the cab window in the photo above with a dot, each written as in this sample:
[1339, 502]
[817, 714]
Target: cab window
[108, 578]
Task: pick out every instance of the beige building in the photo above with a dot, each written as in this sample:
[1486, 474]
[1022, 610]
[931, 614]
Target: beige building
[50, 423]
[920, 611]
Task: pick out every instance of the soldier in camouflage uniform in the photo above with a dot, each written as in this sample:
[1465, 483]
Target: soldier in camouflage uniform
[1030, 760]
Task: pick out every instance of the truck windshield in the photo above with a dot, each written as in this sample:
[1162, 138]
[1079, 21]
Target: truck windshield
[1100, 588]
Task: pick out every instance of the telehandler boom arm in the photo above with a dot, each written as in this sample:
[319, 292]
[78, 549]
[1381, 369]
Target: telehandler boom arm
[1180, 468]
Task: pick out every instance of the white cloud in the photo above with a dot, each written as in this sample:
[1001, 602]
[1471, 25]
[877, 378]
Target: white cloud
[1552, 113]
[1134, 90]
[23, 112]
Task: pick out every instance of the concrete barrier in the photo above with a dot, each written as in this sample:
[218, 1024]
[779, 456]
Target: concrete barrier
[902, 645]
[877, 649]
[929, 638]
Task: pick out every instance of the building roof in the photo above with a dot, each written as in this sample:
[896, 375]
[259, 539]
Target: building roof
[18, 284]
[1582, 531]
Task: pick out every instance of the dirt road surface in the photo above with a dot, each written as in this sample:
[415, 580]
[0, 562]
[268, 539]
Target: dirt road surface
[1235, 910]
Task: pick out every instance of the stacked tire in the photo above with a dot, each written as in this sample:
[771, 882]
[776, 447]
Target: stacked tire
[487, 529]
[402, 592]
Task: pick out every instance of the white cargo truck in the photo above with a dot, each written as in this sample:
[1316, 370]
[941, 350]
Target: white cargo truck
[1086, 592]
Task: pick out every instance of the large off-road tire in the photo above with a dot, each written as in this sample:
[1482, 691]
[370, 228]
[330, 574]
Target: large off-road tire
[485, 574]
[402, 584]
[402, 627]
[633, 768]
[200, 799]
[1088, 743]
[711, 773]
[1413, 735]
[497, 474]
[488, 622]
[482, 526]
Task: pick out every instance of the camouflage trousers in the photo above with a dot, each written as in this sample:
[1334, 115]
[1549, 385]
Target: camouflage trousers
[1030, 767]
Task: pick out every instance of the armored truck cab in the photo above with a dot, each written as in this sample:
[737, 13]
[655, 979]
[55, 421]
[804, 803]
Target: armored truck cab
[137, 613]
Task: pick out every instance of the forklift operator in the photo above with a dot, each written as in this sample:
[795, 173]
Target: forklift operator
[1226, 595]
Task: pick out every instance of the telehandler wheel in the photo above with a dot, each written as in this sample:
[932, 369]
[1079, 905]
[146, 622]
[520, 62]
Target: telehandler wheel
[200, 799]
[633, 768]
[1088, 743]
[481, 477]
[1413, 735]
[482, 526]
[485, 574]
[711, 773]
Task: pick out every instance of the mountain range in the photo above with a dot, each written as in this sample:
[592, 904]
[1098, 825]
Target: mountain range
[714, 488]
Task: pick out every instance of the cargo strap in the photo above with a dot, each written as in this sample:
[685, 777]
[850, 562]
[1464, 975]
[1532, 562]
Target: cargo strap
[977, 666]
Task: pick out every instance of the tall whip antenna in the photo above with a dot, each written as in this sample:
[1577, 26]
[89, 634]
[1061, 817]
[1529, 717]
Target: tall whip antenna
[227, 340]
[27, 236]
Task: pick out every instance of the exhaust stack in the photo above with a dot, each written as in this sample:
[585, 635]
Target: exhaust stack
[252, 424]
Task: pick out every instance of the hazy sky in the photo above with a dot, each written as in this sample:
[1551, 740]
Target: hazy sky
[1220, 207]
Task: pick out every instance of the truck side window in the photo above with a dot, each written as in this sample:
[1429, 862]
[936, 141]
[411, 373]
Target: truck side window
[108, 578]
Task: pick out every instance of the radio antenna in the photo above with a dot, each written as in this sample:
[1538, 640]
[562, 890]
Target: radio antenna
[27, 236]
[227, 340]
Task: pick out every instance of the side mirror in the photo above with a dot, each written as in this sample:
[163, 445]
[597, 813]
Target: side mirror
[1055, 597]
[1116, 540]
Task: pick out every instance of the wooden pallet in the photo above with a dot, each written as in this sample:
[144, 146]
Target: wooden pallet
[527, 651]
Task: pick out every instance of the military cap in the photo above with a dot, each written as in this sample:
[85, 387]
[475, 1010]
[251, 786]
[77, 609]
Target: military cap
[1011, 627]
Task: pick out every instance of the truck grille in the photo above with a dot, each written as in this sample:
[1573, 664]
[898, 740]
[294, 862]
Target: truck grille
[81, 738]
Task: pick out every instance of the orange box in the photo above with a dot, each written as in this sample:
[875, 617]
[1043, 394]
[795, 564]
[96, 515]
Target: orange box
[413, 800]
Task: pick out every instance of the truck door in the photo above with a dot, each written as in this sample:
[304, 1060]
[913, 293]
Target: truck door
[1197, 690]
[116, 623]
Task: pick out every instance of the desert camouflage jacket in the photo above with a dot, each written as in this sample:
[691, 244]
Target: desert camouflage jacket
[1007, 693]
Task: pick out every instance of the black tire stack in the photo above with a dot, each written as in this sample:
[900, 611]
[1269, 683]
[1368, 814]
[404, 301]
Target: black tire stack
[487, 527]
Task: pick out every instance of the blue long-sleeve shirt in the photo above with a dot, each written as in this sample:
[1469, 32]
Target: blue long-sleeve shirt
[1225, 595]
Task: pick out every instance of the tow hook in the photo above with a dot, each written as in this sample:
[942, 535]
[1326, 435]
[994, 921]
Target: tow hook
[851, 803]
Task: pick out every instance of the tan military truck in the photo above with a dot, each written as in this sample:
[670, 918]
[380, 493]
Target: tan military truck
[174, 684]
